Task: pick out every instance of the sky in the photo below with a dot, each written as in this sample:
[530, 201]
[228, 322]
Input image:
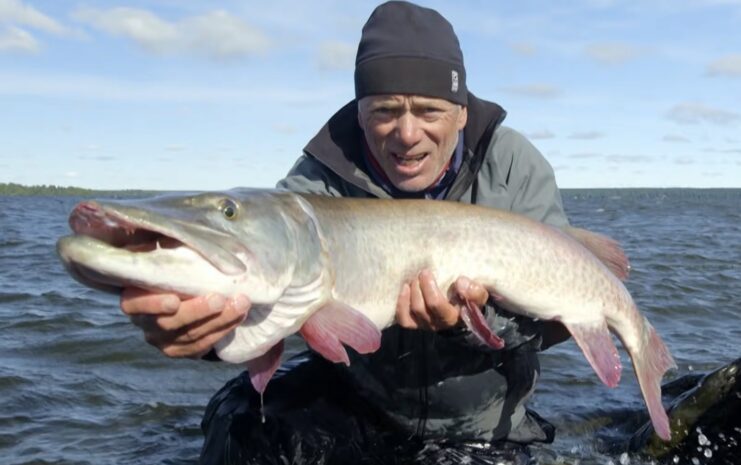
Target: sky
[209, 95]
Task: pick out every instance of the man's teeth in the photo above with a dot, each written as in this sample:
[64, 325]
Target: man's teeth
[409, 159]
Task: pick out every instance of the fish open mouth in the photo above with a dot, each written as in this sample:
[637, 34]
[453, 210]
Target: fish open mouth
[115, 229]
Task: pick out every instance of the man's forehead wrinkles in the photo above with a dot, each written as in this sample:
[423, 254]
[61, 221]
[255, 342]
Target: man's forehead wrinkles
[412, 100]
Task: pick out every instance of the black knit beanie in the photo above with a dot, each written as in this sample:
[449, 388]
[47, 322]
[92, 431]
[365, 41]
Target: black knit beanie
[407, 49]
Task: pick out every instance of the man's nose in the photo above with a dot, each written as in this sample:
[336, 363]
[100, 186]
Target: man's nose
[408, 129]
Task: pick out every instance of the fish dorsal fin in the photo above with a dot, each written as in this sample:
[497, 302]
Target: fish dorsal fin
[605, 248]
[596, 342]
[262, 368]
[335, 324]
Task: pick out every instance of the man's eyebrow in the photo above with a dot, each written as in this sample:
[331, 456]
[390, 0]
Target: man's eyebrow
[385, 102]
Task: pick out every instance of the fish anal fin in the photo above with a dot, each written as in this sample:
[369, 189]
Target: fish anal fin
[336, 324]
[606, 249]
[596, 342]
[476, 323]
[262, 368]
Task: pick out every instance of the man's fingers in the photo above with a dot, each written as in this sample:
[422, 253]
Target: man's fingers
[192, 311]
[441, 312]
[234, 313]
[135, 301]
[200, 347]
[466, 289]
[403, 316]
[418, 307]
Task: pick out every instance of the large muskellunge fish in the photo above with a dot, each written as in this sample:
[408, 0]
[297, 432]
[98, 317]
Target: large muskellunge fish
[332, 268]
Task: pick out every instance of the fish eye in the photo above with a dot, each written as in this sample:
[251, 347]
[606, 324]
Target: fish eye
[229, 209]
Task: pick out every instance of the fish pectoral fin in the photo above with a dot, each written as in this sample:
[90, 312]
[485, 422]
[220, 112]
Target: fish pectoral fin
[476, 323]
[335, 324]
[262, 368]
[596, 342]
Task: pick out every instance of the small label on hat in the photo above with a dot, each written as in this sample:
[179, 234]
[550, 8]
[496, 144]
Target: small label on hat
[454, 81]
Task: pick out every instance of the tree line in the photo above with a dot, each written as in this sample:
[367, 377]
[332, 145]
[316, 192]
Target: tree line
[11, 188]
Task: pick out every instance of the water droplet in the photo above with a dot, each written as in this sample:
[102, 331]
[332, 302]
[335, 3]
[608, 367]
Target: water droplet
[624, 459]
[675, 459]
[695, 461]
[703, 440]
[708, 453]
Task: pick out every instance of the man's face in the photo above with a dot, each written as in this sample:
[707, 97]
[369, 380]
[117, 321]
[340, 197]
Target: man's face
[410, 136]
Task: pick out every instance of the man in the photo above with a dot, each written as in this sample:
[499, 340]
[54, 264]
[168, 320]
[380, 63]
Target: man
[413, 131]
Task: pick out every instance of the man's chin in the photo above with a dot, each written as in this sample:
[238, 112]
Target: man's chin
[410, 186]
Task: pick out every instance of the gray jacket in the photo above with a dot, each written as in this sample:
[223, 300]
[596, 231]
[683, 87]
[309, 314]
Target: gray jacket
[446, 384]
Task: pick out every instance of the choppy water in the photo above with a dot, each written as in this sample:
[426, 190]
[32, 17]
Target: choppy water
[79, 386]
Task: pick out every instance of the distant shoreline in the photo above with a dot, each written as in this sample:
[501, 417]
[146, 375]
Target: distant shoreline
[13, 189]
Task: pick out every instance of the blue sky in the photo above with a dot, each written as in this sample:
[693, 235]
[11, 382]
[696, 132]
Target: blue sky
[196, 95]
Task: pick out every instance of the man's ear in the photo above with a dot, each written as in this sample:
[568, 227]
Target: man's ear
[462, 117]
[361, 123]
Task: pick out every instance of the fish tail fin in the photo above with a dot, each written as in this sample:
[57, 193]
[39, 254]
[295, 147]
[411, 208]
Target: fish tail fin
[650, 363]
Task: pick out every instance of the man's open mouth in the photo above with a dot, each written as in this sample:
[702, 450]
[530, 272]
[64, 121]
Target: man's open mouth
[409, 159]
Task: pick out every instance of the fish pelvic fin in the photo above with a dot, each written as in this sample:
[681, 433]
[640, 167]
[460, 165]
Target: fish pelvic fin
[606, 249]
[474, 320]
[595, 340]
[650, 363]
[336, 324]
[262, 368]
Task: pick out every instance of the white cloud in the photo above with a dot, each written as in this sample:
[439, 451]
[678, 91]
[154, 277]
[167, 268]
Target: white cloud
[674, 138]
[16, 12]
[524, 48]
[534, 90]
[612, 53]
[335, 55]
[694, 113]
[685, 160]
[587, 135]
[15, 39]
[539, 135]
[585, 155]
[224, 35]
[101, 88]
[729, 65]
[283, 128]
[217, 34]
[615, 158]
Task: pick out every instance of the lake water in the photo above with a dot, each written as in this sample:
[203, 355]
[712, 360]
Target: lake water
[79, 386]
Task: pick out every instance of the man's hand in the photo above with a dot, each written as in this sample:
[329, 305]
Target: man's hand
[422, 305]
[183, 328]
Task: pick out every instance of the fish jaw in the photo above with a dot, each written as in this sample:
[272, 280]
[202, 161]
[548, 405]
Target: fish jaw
[181, 270]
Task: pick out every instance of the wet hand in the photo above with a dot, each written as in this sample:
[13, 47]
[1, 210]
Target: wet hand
[183, 327]
[422, 305]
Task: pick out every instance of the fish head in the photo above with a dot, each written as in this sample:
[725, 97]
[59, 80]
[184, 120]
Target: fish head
[192, 244]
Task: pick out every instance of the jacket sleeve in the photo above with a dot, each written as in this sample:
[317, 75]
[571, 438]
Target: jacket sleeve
[530, 179]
